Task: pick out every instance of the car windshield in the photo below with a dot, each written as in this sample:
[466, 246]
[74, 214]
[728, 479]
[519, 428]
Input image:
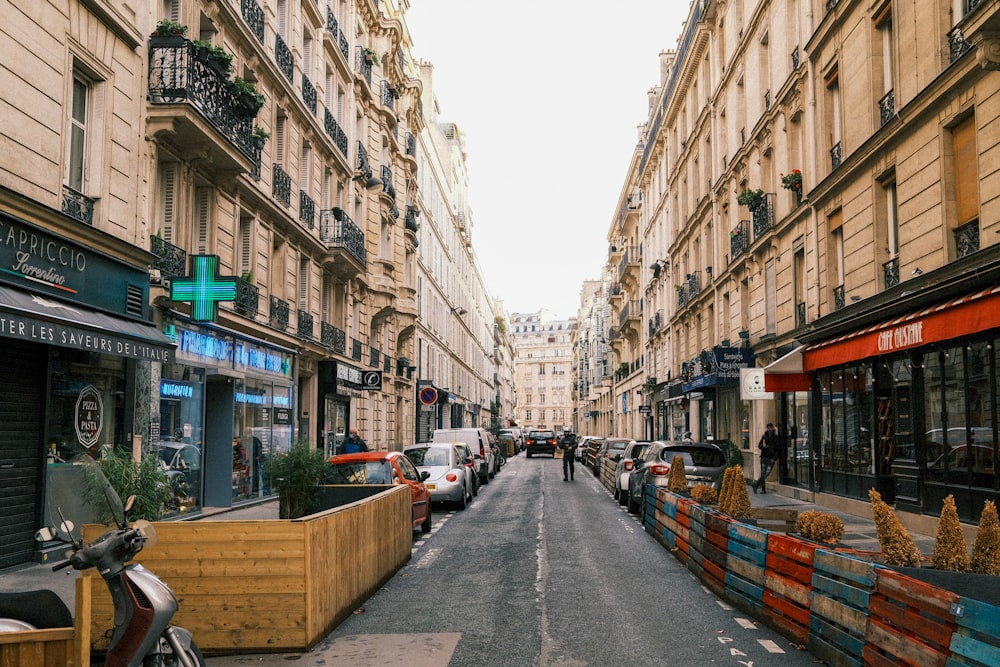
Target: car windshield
[639, 450]
[359, 472]
[428, 456]
[543, 435]
[701, 457]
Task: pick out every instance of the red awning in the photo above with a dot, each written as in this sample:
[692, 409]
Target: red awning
[786, 373]
[965, 316]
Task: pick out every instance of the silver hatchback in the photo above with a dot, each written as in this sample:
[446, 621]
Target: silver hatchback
[704, 463]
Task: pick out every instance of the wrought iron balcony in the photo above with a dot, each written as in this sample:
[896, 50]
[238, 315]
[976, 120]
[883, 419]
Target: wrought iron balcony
[247, 298]
[411, 144]
[336, 33]
[739, 239]
[694, 282]
[763, 215]
[389, 95]
[279, 313]
[410, 221]
[283, 58]
[630, 311]
[374, 358]
[333, 338]
[170, 260]
[309, 94]
[767, 99]
[362, 164]
[387, 186]
[887, 107]
[77, 206]
[967, 239]
[957, 43]
[254, 16]
[630, 256]
[176, 76]
[386, 364]
[334, 131]
[345, 241]
[682, 296]
[281, 188]
[355, 349]
[305, 328]
[838, 297]
[890, 272]
[800, 314]
[364, 64]
[796, 58]
[307, 210]
[835, 156]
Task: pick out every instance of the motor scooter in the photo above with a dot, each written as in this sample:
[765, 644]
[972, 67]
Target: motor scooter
[143, 603]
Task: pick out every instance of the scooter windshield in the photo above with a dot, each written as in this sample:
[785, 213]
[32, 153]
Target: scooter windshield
[81, 494]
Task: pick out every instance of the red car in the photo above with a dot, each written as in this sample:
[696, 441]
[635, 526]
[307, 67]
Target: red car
[384, 468]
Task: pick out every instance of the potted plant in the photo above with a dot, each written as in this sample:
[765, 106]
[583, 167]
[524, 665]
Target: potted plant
[166, 28]
[247, 95]
[214, 57]
[792, 181]
[295, 475]
[260, 136]
[370, 56]
[750, 198]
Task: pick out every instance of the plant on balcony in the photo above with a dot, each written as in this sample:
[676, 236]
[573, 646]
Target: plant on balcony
[260, 134]
[792, 181]
[750, 198]
[247, 95]
[370, 56]
[170, 29]
[213, 56]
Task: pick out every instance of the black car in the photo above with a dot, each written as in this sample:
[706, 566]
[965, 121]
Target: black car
[540, 442]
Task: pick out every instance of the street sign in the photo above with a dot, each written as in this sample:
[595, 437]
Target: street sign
[428, 396]
[371, 380]
[645, 409]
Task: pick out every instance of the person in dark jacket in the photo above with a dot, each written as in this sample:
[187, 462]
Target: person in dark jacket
[353, 443]
[568, 444]
[768, 446]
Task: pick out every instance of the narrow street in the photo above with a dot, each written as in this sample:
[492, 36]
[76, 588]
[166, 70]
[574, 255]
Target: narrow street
[538, 571]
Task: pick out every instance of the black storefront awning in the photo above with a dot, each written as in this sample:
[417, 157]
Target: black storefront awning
[37, 318]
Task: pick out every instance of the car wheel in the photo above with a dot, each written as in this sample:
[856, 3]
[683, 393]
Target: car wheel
[527, 455]
[616, 494]
[632, 506]
[475, 486]
[623, 497]
[463, 502]
[425, 527]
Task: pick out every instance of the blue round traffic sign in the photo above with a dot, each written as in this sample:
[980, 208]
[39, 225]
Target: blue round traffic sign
[428, 395]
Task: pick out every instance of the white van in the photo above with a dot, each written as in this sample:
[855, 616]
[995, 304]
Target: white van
[480, 441]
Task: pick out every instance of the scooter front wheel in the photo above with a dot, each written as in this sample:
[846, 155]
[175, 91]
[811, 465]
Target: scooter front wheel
[192, 652]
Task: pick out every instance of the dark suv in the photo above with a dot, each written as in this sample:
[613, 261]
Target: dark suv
[540, 442]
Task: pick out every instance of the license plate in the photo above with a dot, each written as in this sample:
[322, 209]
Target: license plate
[431, 487]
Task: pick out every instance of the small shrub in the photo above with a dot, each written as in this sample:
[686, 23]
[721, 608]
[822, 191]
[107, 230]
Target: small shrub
[950, 550]
[898, 548]
[677, 479]
[145, 480]
[986, 547]
[826, 528]
[704, 494]
[295, 476]
[739, 503]
[726, 492]
[803, 523]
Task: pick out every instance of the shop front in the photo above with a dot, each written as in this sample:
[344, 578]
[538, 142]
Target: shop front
[909, 407]
[339, 384]
[712, 393]
[78, 353]
[225, 405]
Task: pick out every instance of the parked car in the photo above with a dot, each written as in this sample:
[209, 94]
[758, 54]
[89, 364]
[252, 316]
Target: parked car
[590, 449]
[481, 443]
[611, 448]
[466, 457]
[582, 445]
[704, 463]
[449, 480]
[518, 436]
[375, 467]
[626, 464]
[540, 442]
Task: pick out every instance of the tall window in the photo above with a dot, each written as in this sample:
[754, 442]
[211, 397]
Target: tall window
[833, 116]
[799, 276]
[166, 172]
[303, 296]
[836, 257]
[770, 298]
[203, 219]
[963, 137]
[245, 247]
[78, 134]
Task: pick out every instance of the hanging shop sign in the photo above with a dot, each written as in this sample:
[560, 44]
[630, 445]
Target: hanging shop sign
[204, 288]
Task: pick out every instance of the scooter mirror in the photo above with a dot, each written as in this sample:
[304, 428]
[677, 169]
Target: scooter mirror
[45, 534]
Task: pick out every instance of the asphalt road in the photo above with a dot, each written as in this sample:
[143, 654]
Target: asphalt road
[538, 571]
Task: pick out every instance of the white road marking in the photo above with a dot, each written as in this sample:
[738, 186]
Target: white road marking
[746, 624]
[428, 558]
[722, 605]
[770, 645]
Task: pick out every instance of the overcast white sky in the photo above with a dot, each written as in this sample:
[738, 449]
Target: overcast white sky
[548, 95]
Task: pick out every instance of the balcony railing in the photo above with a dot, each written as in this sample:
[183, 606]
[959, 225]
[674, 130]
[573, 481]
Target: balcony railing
[389, 95]
[411, 144]
[177, 76]
[171, 260]
[796, 58]
[307, 210]
[355, 349]
[77, 206]
[333, 338]
[364, 64]
[337, 230]
[305, 328]
[387, 186]
[800, 314]
[763, 215]
[890, 272]
[247, 298]
[694, 282]
[336, 33]
[967, 239]
[739, 239]
[282, 186]
[279, 313]
[958, 44]
[309, 94]
[363, 165]
[838, 297]
[629, 256]
[374, 358]
[835, 156]
[283, 58]
[334, 131]
[254, 16]
[887, 107]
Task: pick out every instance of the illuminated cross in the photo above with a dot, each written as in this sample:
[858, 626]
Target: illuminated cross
[205, 288]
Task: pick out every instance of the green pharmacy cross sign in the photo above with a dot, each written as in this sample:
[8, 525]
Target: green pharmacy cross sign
[204, 288]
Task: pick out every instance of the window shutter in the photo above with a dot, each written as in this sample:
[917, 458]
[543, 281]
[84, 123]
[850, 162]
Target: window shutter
[169, 171]
[966, 171]
[204, 199]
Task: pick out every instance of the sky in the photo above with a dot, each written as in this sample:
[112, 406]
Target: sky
[548, 96]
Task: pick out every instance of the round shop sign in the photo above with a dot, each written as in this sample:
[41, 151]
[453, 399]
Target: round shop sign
[428, 395]
[89, 416]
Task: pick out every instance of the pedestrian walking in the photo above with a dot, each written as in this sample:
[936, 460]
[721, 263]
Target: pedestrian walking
[768, 446]
[353, 443]
[568, 444]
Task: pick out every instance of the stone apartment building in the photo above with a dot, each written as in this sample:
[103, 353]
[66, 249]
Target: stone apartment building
[543, 371]
[808, 230]
[209, 231]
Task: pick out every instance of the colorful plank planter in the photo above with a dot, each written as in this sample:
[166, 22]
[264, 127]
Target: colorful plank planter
[842, 588]
[976, 640]
[911, 622]
[745, 565]
[668, 501]
[787, 585]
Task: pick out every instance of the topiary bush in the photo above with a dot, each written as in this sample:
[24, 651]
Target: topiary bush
[677, 479]
[726, 492]
[986, 547]
[898, 548]
[739, 501]
[950, 551]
